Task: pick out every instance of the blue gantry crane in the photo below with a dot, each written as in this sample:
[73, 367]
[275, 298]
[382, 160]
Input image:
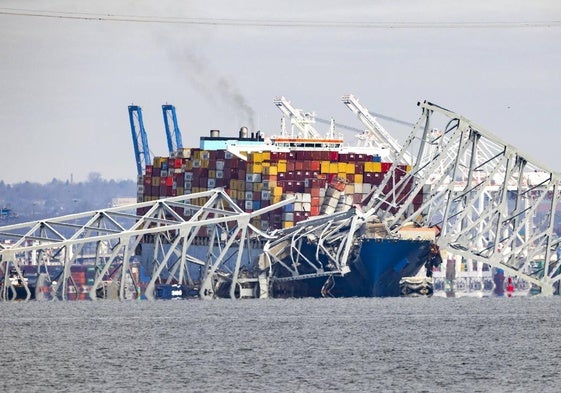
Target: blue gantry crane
[174, 139]
[139, 139]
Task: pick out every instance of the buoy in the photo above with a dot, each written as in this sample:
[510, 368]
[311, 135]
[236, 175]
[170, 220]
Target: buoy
[509, 287]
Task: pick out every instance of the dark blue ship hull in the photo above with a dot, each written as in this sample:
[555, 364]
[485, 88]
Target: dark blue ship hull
[376, 270]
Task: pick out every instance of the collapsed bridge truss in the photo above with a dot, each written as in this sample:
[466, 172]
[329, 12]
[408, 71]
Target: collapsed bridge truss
[112, 237]
[492, 203]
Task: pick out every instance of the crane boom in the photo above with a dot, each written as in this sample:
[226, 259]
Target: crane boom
[302, 120]
[375, 132]
[174, 139]
[139, 139]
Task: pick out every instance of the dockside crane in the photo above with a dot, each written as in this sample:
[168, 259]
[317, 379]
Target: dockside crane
[375, 134]
[174, 140]
[302, 120]
[139, 139]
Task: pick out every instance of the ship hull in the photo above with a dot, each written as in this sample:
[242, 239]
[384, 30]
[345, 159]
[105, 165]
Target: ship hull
[376, 271]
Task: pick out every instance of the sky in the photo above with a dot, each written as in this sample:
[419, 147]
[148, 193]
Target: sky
[70, 69]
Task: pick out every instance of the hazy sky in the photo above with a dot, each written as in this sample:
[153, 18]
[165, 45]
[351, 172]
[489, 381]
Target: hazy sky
[67, 79]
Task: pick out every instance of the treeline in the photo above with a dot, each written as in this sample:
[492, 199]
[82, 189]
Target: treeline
[31, 201]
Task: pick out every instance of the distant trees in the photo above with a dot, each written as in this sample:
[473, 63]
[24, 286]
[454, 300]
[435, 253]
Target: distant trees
[31, 201]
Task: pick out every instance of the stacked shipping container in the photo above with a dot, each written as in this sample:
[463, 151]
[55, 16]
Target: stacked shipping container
[267, 177]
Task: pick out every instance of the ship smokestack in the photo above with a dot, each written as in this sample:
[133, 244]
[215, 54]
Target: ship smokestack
[214, 133]
[244, 133]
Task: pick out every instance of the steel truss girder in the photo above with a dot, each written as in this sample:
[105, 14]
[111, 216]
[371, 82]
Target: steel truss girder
[331, 237]
[112, 235]
[492, 203]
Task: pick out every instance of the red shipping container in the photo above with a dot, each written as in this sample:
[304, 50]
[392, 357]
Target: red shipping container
[149, 169]
[333, 156]
[386, 166]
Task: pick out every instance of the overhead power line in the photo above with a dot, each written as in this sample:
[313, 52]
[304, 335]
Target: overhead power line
[309, 23]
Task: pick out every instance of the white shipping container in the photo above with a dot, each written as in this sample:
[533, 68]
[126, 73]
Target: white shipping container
[188, 176]
[211, 183]
[265, 195]
[249, 196]
[248, 205]
[220, 174]
[219, 165]
[288, 217]
[253, 177]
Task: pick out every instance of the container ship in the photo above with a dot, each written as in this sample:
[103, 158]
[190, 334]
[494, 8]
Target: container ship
[324, 176]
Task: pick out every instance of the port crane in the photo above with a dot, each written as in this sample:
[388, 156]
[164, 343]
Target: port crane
[302, 120]
[375, 135]
[173, 137]
[139, 139]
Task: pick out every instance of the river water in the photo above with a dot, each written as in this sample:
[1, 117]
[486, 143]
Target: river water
[308, 345]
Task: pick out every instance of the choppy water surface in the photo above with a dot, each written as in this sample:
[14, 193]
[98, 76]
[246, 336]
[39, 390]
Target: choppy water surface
[309, 345]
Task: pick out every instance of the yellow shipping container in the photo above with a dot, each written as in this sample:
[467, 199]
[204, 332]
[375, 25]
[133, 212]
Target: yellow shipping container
[257, 187]
[325, 167]
[256, 157]
[158, 161]
[212, 174]
[373, 167]
[277, 191]
[281, 167]
[254, 168]
[272, 170]
[359, 178]
[276, 198]
[156, 181]
[180, 191]
[342, 167]
[205, 163]
[241, 195]
[350, 168]
[287, 224]
[266, 156]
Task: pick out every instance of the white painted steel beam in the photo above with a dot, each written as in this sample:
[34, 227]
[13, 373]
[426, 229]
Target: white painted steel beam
[110, 237]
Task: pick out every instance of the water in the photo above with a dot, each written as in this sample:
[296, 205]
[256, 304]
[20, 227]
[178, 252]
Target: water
[309, 345]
